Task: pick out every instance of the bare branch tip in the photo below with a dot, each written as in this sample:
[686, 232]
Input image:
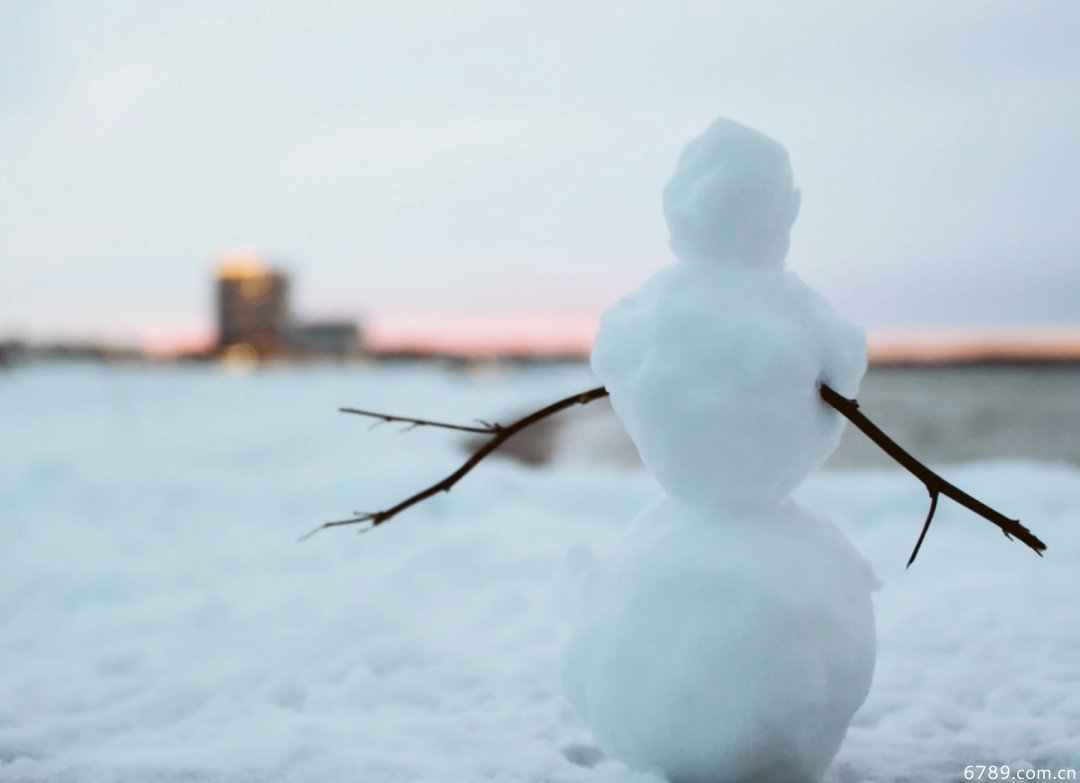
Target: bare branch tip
[309, 534]
[934, 493]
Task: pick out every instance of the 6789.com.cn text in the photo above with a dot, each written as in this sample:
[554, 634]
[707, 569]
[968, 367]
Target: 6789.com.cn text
[992, 772]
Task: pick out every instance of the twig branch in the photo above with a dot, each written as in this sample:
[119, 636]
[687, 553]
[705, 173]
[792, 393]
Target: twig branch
[926, 526]
[386, 418]
[934, 483]
[849, 409]
[499, 435]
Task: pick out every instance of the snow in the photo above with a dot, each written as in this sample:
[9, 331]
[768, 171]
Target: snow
[713, 370]
[729, 638]
[732, 198]
[714, 364]
[159, 622]
[702, 645]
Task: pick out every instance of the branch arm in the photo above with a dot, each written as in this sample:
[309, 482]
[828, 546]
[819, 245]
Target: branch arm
[499, 435]
[848, 408]
[934, 483]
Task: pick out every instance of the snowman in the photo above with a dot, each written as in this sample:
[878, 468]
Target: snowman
[729, 636]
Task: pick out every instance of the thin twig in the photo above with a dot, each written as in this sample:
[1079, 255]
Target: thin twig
[499, 435]
[848, 408]
[934, 483]
[926, 526]
[385, 418]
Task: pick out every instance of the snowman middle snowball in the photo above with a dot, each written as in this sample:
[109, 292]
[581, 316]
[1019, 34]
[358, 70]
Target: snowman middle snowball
[729, 637]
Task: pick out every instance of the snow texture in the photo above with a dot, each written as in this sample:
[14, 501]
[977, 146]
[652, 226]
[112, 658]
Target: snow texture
[159, 622]
[713, 365]
[713, 370]
[732, 198]
[731, 649]
[730, 637]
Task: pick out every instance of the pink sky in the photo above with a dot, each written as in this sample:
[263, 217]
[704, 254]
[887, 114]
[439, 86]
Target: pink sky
[555, 333]
[573, 334]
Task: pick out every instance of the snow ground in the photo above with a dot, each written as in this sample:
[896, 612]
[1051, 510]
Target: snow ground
[159, 622]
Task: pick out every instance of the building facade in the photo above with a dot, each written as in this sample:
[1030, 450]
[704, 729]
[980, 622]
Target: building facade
[253, 308]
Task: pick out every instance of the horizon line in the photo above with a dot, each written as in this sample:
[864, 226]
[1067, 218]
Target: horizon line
[572, 335]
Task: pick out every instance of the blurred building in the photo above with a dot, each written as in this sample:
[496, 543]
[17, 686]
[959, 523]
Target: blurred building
[252, 307]
[255, 320]
[338, 340]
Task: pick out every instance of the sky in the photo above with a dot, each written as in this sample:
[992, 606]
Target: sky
[430, 165]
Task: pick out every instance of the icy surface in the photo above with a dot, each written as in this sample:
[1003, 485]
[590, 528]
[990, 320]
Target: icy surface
[158, 622]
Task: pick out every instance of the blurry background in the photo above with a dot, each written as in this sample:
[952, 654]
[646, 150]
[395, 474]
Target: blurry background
[457, 169]
[479, 180]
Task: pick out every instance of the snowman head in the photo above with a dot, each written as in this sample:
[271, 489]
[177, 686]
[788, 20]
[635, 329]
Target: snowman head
[732, 199]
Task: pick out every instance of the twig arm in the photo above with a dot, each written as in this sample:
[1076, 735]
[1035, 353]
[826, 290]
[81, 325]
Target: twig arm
[848, 408]
[499, 435]
[934, 483]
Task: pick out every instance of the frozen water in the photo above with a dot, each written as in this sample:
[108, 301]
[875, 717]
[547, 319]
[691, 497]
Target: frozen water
[158, 622]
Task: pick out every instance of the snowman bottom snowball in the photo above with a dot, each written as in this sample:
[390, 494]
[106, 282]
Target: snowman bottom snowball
[724, 649]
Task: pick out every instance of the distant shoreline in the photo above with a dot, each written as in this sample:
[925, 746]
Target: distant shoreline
[1017, 363]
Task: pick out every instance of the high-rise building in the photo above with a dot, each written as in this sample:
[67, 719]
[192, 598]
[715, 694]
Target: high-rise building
[252, 306]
